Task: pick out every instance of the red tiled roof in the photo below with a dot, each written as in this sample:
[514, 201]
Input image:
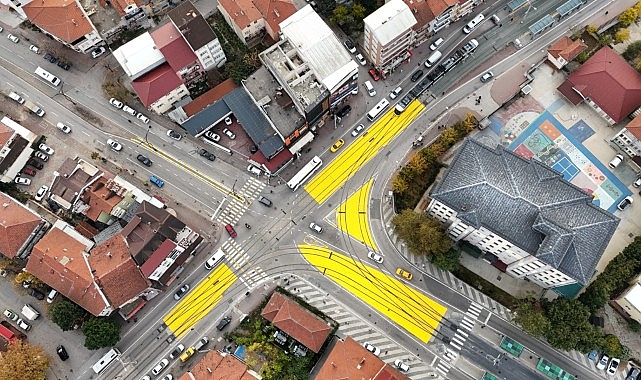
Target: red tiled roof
[156, 84]
[243, 12]
[16, 225]
[567, 48]
[157, 257]
[216, 366]
[173, 46]
[120, 5]
[274, 12]
[438, 6]
[209, 97]
[62, 18]
[634, 126]
[349, 360]
[609, 81]
[296, 321]
[100, 199]
[116, 272]
[59, 261]
[5, 134]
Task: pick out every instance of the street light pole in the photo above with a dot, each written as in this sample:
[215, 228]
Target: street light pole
[147, 134]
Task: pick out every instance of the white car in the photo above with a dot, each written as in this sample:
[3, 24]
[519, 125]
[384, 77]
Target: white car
[46, 149]
[63, 127]
[115, 145]
[436, 44]
[487, 76]
[361, 59]
[13, 38]
[97, 52]
[174, 135]
[229, 133]
[614, 365]
[637, 183]
[116, 103]
[373, 349]
[143, 118]
[212, 136]
[41, 156]
[603, 362]
[23, 325]
[395, 93]
[315, 227]
[129, 110]
[375, 257]
[160, 366]
[34, 49]
[40, 194]
[616, 161]
[228, 120]
[398, 363]
[23, 181]
[358, 130]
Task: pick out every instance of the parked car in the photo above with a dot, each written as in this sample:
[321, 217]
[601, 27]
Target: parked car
[397, 91]
[403, 273]
[398, 363]
[52, 295]
[417, 75]
[156, 181]
[62, 353]
[212, 136]
[375, 257]
[129, 110]
[143, 118]
[358, 130]
[29, 171]
[177, 351]
[616, 161]
[371, 348]
[174, 135]
[205, 153]
[603, 362]
[637, 183]
[361, 59]
[116, 103]
[144, 160]
[344, 111]
[223, 323]
[40, 194]
[63, 127]
[50, 57]
[487, 76]
[229, 134]
[160, 366]
[13, 38]
[633, 374]
[231, 231]
[350, 46]
[35, 293]
[64, 65]
[115, 145]
[593, 355]
[228, 120]
[316, 228]
[436, 44]
[23, 181]
[46, 149]
[97, 52]
[337, 145]
[181, 292]
[35, 163]
[613, 366]
[23, 324]
[34, 49]
[374, 74]
[625, 203]
[10, 315]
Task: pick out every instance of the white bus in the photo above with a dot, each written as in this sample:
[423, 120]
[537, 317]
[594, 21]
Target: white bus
[378, 110]
[44, 74]
[304, 174]
[104, 362]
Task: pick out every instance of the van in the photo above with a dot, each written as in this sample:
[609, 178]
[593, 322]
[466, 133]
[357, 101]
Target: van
[369, 88]
[254, 170]
[44, 74]
[29, 312]
[433, 58]
[213, 261]
[16, 97]
[467, 29]
[52, 295]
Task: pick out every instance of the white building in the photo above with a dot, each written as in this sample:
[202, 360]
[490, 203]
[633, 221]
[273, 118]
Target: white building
[630, 301]
[523, 214]
[388, 34]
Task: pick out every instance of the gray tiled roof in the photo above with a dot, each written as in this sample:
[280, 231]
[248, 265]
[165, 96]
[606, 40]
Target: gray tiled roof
[529, 204]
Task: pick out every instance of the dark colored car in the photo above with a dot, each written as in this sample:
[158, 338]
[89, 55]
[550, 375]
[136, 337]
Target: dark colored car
[253, 149]
[37, 294]
[223, 323]
[207, 154]
[265, 201]
[50, 57]
[53, 205]
[417, 74]
[35, 163]
[29, 171]
[62, 353]
[144, 160]
[344, 111]
[230, 230]
[64, 65]
[634, 374]
[181, 292]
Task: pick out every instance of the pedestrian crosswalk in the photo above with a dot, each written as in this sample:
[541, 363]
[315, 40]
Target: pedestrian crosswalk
[239, 202]
[466, 325]
[353, 325]
[249, 274]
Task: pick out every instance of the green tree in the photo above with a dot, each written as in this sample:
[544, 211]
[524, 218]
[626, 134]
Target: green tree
[449, 261]
[531, 317]
[422, 234]
[628, 16]
[596, 296]
[634, 325]
[341, 15]
[591, 29]
[621, 35]
[358, 12]
[632, 51]
[66, 314]
[100, 332]
[23, 361]
[570, 328]
[611, 346]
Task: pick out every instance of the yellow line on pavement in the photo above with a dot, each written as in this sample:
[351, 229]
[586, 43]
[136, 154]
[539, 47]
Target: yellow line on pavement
[404, 305]
[176, 162]
[351, 216]
[199, 301]
[357, 154]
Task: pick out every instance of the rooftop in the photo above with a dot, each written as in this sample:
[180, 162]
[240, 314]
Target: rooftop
[17, 223]
[75, 174]
[173, 47]
[156, 83]
[390, 21]
[218, 366]
[192, 25]
[139, 56]
[61, 18]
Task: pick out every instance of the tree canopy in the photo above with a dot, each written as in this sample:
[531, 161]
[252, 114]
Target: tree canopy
[66, 314]
[100, 332]
[570, 328]
[23, 361]
[531, 317]
[422, 234]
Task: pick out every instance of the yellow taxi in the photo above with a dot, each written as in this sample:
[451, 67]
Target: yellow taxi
[337, 145]
[403, 273]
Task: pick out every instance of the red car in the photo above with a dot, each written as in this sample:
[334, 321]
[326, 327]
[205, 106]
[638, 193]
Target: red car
[374, 74]
[29, 171]
[230, 230]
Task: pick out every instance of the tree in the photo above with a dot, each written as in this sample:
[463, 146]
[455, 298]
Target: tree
[628, 16]
[66, 314]
[611, 346]
[621, 35]
[341, 15]
[23, 361]
[100, 332]
[399, 185]
[531, 317]
[591, 29]
[449, 261]
[422, 234]
[595, 296]
[632, 51]
[570, 328]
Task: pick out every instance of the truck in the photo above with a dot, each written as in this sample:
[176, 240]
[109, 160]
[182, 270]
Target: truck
[16, 97]
[29, 312]
[9, 334]
[33, 107]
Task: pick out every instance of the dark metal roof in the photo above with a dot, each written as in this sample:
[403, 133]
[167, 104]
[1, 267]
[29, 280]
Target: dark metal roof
[206, 118]
[529, 204]
[192, 25]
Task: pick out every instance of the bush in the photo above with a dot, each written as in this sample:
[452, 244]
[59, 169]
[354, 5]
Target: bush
[632, 51]
[634, 325]
[628, 17]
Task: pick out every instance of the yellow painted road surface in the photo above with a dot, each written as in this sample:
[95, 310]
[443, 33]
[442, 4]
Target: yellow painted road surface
[199, 301]
[412, 310]
[357, 154]
[352, 218]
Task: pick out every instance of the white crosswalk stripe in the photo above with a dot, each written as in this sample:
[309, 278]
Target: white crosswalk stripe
[237, 205]
[249, 275]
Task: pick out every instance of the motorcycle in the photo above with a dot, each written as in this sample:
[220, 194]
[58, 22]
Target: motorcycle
[248, 226]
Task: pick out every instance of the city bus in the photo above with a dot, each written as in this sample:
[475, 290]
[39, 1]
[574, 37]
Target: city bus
[107, 359]
[378, 109]
[304, 174]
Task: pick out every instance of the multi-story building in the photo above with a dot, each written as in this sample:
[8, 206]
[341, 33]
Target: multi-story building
[434, 15]
[522, 214]
[388, 35]
[15, 148]
[252, 19]
[629, 303]
[20, 228]
[629, 138]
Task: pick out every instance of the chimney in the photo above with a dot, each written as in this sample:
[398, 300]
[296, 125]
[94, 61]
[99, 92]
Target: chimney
[109, 254]
[73, 21]
[5, 205]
